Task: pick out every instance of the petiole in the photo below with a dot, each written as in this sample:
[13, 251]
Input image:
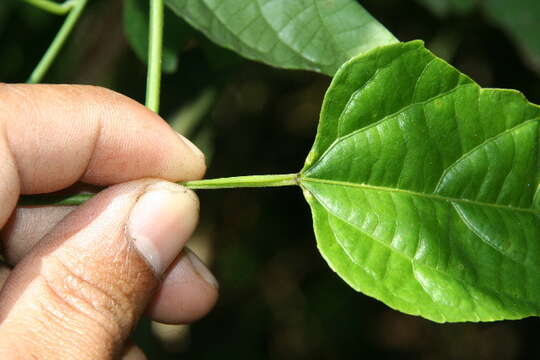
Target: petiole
[52, 6]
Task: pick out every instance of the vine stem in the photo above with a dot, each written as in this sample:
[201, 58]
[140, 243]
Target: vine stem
[51, 6]
[253, 181]
[155, 54]
[75, 8]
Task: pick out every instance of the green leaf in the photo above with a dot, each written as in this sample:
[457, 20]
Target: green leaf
[136, 20]
[424, 188]
[318, 35]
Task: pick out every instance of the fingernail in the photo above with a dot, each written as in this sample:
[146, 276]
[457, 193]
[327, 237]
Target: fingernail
[192, 146]
[161, 222]
[201, 269]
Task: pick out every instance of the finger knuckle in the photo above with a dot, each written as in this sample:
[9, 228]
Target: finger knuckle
[75, 301]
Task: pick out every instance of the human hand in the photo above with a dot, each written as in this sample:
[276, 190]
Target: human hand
[83, 277]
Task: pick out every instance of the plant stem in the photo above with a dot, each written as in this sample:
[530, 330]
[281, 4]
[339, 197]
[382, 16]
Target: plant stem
[244, 181]
[41, 69]
[254, 181]
[51, 6]
[155, 54]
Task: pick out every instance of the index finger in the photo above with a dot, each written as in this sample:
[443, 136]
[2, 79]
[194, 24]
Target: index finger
[52, 136]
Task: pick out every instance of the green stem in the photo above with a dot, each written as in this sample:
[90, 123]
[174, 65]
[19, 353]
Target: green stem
[155, 54]
[75, 10]
[254, 181]
[244, 181]
[52, 7]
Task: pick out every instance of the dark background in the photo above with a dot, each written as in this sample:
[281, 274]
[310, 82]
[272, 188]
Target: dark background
[278, 300]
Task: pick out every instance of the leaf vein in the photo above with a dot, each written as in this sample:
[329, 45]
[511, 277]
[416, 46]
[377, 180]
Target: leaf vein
[483, 237]
[419, 194]
[479, 146]
[496, 293]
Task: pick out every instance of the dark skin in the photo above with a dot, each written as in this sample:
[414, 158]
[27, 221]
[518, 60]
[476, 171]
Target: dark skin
[80, 278]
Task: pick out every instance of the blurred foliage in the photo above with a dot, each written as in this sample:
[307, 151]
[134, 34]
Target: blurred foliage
[279, 300]
[521, 20]
[445, 7]
[518, 18]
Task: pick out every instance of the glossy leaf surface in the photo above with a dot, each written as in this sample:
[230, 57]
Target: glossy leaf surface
[318, 35]
[424, 188]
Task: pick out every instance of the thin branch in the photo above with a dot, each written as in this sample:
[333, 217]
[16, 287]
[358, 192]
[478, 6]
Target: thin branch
[52, 52]
[52, 6]
[155, 54]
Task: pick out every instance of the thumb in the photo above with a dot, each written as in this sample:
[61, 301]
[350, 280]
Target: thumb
[81, 290]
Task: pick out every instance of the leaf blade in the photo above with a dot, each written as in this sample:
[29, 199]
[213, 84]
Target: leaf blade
[309, 34]
[412, 158]
[406, 292]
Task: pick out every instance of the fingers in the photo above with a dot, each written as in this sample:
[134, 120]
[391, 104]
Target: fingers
[54, 135]
[188, 290]
[26, 227]
[91, 277]
[187, 293]
[4, 274]
[132, 352]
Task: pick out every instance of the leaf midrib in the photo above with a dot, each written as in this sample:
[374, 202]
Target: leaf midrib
[418, 194]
